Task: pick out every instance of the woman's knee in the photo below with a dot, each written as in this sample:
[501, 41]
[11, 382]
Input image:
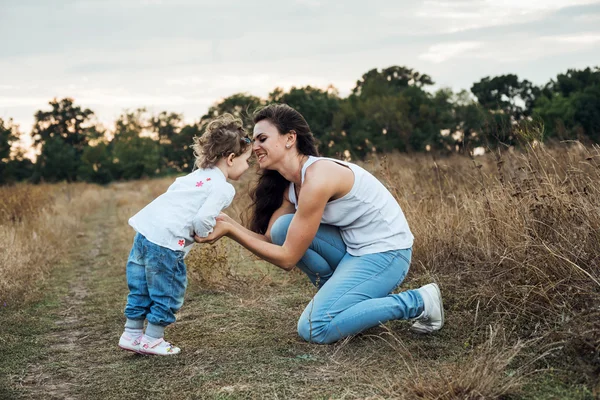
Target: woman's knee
[280, 228]
[313, 332]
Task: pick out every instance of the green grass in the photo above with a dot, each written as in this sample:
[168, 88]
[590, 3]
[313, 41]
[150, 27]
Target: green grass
[24, 337]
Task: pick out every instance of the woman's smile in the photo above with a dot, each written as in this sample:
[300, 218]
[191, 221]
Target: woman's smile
[260, 157]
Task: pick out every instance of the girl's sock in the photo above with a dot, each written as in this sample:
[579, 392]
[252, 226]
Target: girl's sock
[155, 331]
[134, 327]
[134, 332]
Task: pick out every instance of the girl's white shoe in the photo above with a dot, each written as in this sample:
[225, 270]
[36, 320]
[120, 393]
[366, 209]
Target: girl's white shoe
[158, 347]
[130, 342]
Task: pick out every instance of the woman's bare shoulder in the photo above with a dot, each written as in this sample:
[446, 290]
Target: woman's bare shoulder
[329, 170]
[337, 178]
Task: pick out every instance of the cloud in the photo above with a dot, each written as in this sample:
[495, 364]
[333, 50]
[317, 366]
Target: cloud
[441, 52]
[19, 101]
[457, 16]
[310, 3]
[580, 39]
[182, 55]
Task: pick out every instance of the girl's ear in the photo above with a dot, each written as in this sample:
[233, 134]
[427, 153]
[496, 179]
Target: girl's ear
[230, 158]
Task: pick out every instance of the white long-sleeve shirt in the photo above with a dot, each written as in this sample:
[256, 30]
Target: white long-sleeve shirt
[190, 205]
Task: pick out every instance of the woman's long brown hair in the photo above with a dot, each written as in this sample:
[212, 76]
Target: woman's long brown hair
[267, 195]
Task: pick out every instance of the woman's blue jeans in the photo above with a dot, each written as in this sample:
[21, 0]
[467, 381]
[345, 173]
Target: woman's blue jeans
[353, 292]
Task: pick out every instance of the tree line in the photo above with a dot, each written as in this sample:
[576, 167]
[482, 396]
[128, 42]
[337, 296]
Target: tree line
[387, 110]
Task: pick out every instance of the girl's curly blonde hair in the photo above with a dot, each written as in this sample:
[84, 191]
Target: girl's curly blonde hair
[223, 135]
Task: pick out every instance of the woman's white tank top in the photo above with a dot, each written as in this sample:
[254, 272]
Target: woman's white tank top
[369, 218]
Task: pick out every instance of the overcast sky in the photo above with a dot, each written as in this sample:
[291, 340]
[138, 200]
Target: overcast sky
[183, 55]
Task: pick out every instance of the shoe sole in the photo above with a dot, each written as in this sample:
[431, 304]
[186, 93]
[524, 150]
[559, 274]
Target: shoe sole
[437, 288]
[130, 350]
[156, 354]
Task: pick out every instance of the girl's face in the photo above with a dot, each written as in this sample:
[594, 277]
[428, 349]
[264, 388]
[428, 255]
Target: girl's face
[239, 165]
[268, 144]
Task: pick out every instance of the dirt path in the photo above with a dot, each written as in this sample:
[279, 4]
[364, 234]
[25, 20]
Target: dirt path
[56, 375]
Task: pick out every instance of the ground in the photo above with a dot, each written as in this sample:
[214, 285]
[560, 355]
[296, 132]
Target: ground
[237, 334]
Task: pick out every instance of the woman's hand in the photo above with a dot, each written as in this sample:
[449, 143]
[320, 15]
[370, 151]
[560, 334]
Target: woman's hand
[224, 217]
[221, 229]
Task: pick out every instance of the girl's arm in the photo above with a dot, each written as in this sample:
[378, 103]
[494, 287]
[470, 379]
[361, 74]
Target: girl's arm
[206, 217]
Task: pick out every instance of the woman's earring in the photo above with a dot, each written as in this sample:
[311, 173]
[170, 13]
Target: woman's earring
[287, 146]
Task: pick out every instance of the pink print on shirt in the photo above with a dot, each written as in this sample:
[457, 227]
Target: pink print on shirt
[181, 242]
[199, 184]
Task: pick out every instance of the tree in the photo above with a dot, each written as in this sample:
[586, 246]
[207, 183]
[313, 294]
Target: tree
[66, 121]
[390, 81]
[570, 105]
[96, 164]
[182, 155]
[470, 123]
[587, 111]
[389, 110]
[62, 134]
[8, 135]
[167, 127]
[316, 105]
[506, 94]
[558, 114]
[133, 124]
[57, 162]
[134, 156]
[574, 81]
[239, 105]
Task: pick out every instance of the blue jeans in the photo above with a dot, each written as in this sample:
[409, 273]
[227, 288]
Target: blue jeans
[157, 280]
[353, 292]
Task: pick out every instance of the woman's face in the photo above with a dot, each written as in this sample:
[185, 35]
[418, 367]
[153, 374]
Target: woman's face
[268, 144]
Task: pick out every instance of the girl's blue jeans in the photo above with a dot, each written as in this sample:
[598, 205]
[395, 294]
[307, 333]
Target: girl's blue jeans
[353, 292]
[157, 280]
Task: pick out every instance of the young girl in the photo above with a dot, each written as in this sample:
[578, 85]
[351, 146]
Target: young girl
[156, 272]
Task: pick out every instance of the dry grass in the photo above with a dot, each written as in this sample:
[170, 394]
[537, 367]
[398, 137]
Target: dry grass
[513, 239]
[483, 374]
[37, 224]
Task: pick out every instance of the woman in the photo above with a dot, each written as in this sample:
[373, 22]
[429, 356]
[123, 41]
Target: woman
[339, 225]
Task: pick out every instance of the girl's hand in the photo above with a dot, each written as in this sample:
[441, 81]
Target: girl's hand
[221, 229]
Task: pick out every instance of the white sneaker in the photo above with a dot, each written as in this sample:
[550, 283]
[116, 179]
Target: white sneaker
[129, 342]
[158, 347]
[432, 317]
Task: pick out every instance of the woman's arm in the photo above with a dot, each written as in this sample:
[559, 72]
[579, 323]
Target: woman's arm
[225, 223]
[226, 218]
[318, 188]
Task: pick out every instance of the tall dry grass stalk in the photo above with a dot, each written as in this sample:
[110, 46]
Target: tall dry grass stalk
[513, 239]
[37, 224]
[485, 373]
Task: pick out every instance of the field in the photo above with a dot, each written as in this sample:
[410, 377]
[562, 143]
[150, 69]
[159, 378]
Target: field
[513, 239]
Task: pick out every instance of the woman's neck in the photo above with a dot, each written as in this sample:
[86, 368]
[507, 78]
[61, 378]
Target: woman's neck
[291, 170]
